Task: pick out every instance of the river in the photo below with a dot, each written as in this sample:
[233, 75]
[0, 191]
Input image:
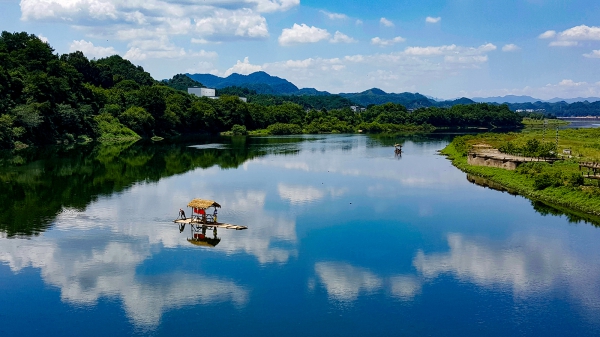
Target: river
[344, 238]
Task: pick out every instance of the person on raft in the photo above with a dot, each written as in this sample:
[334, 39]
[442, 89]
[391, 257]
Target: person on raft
[182, 214]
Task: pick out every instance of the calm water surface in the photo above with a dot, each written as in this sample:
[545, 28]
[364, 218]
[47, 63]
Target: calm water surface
[343, 239]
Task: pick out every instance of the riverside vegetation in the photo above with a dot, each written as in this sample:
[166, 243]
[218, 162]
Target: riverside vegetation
[560, 184]
[47, 98]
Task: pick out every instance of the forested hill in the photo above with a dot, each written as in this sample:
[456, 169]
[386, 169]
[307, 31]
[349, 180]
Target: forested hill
[409, 100]
[260, 82]
[561, 109]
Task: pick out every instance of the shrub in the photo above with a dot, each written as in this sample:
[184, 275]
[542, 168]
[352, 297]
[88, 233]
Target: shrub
[239, 130]
[138, 120]
[111, 130]
[284, 129]
[575, 179]
[545, 180]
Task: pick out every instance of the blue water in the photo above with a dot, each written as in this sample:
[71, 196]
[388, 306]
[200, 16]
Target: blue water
[344, 239]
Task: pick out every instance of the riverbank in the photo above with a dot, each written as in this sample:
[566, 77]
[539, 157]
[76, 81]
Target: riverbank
[558, 184]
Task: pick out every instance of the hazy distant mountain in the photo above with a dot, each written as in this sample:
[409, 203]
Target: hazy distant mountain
[506, 99]
[512, 99]
[573, 100]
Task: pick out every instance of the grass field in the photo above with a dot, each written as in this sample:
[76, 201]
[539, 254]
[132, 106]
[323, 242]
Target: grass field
[529, 122]
[559, 184]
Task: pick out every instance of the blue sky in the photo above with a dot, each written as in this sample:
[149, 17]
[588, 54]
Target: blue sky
[442, 48]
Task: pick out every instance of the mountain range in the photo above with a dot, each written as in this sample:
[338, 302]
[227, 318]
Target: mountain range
[528, 99]
[263, 83]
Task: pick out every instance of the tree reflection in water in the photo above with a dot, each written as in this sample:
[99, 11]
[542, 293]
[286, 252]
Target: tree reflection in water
[544, 209]
[39, 184]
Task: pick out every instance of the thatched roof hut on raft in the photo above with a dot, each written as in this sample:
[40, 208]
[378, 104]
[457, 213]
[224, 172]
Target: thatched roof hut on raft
[203, 204]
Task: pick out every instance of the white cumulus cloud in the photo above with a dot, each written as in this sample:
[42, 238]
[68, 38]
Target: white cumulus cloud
[91, 51]
[243, 68]
[386, 22]
[582, 32]
[563, 43]
[241, 23]
[211, 20]
[302, 34]
[594, 54]
[42, 38]
[571, 36]
[549, 34]
[430, 19]
[510, 47]
[385, 42]
[334, 16]
[340, 37]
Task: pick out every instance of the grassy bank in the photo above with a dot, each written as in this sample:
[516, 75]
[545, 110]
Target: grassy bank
[559, 184]
[530, 122]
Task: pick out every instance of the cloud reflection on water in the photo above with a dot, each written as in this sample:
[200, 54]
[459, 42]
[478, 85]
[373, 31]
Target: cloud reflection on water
[94, 254]
[299, 194]
[528, 265]
[345, 282]
[87, 267]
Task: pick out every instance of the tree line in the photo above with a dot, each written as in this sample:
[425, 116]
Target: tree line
[47, 98]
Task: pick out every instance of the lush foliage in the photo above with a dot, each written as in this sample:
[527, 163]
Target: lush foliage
[531, 148]
[560, 183]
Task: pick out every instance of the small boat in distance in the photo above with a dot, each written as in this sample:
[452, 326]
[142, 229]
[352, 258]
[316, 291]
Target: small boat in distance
[201, 217]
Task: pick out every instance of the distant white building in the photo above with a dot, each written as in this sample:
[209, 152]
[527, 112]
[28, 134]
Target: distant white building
[356, 108]
[209, 93]
[202, 92]
[530, 110]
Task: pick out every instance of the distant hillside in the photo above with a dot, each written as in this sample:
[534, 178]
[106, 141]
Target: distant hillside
[378, 96]
[411, 101]
[561, 109]
[512, 99]
[573, 100]
[506, 99]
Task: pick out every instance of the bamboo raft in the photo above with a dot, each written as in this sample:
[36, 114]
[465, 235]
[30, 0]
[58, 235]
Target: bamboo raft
[201, 219]
[209, 224]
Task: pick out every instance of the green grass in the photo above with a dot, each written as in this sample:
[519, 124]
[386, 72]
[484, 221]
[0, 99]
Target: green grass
[563, 189]
[529, 122]
[112, 131]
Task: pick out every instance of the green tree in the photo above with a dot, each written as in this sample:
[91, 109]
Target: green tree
[138, 120]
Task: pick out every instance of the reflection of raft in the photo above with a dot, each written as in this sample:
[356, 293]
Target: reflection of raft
[201, 240]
